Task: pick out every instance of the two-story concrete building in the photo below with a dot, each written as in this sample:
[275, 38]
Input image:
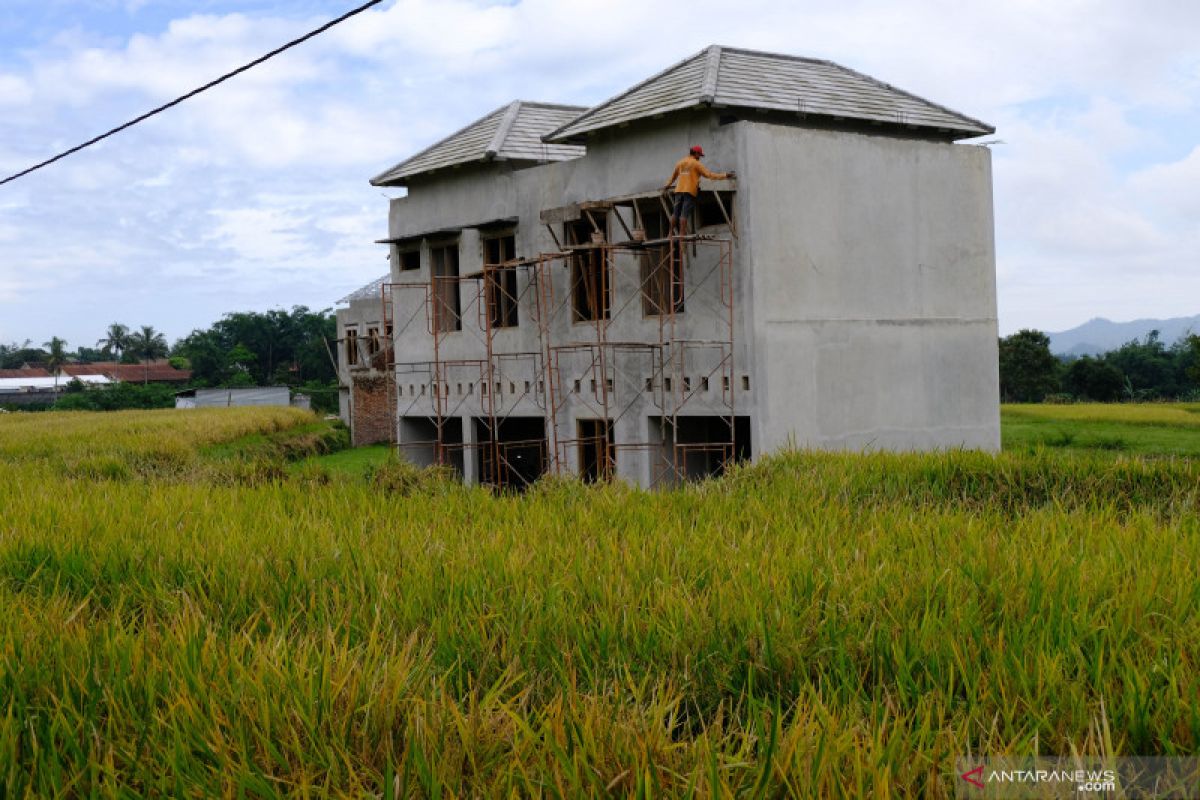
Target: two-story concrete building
[839, 294]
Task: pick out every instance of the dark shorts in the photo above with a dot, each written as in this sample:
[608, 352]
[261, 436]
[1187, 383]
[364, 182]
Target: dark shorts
[684, 203]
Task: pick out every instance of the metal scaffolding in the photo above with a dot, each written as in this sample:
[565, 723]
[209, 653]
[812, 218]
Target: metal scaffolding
[584, 377]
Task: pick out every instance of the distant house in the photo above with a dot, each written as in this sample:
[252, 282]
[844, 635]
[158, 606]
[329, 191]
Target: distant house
[159, 371]
[250, 396]
[364, 403]
[35, 390]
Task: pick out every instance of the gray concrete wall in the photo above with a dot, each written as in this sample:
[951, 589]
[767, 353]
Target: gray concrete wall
[864, 287]
[874, 299]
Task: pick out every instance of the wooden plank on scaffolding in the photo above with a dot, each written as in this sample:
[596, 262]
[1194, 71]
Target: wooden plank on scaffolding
[557, 216]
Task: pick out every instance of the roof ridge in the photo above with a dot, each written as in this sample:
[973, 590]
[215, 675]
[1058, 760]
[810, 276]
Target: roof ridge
[506, 123]
[540, 104]
[782, 56]
[708, 90]
[383, 175]
[549, 137]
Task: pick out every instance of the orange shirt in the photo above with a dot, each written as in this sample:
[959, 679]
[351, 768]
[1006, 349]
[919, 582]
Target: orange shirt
[689, 170]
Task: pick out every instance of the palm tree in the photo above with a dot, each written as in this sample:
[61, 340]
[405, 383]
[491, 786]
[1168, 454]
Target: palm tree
[148, 344]
[116, 340]
[58, 356]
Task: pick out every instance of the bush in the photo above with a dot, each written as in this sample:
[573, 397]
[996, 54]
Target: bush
[117, 397]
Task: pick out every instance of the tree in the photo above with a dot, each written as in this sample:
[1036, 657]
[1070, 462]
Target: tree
[1093, 379]
[206, 353]
[148, 344]
[116, 340]
[1028, 370]
[1148, 366]
[286, 347]
[12, 356]
[241, 361]
[1191, 358]
[56, 350]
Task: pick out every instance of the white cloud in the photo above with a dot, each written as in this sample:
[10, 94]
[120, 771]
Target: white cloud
[14, 91]
[1173, 188]
[261, 234]
[1095, 199]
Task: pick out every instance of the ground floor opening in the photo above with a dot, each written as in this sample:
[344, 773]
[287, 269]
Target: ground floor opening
[514, 455]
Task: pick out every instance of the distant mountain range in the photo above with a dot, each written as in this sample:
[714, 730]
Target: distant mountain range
[1100, 335]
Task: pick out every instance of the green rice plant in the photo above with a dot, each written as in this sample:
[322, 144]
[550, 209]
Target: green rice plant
[810, 625]
[1171, 414]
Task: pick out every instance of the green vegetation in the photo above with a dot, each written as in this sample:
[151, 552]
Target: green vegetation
[816, 624]
[293, 348]
[116, 397]
[1143, 429]
[355, 462]
[1137, 370]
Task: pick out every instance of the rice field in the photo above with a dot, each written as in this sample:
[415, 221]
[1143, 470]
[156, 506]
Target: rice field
[813, 625]
[1147, 429]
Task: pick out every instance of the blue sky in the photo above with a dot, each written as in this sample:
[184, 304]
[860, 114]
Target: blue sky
[256, 196]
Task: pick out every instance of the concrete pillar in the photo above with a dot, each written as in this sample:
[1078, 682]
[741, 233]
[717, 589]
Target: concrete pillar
[470, 452]
[630, 429]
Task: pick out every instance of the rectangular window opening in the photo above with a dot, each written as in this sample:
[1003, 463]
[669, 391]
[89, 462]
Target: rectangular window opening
[410, 260]
[446, 313]
[500, 282]
[597, 453]
[590, 282]
[352, 346]
[661, 267]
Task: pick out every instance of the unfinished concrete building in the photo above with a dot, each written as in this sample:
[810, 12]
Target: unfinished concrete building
[365, 403]
[839, 294]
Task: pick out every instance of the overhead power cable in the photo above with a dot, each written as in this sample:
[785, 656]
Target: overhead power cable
[194, 92]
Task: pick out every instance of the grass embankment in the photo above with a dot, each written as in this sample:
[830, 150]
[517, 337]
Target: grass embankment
[354, 462]
[1138, 429]
[814, 625]
[196, 444]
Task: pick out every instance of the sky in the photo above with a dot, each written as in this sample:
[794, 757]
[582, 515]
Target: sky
[255, 195]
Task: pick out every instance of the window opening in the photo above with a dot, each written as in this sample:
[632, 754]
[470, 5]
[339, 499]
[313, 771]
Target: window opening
[597, 454]
[590, 290]
[446, 313]
[501, 282]
[660, 275]
[410, 260]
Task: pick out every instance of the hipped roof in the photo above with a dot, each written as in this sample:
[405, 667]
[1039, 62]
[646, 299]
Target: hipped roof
[512, 132]
[736, 78]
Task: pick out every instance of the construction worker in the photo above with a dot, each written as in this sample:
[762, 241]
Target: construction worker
[689, 171]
